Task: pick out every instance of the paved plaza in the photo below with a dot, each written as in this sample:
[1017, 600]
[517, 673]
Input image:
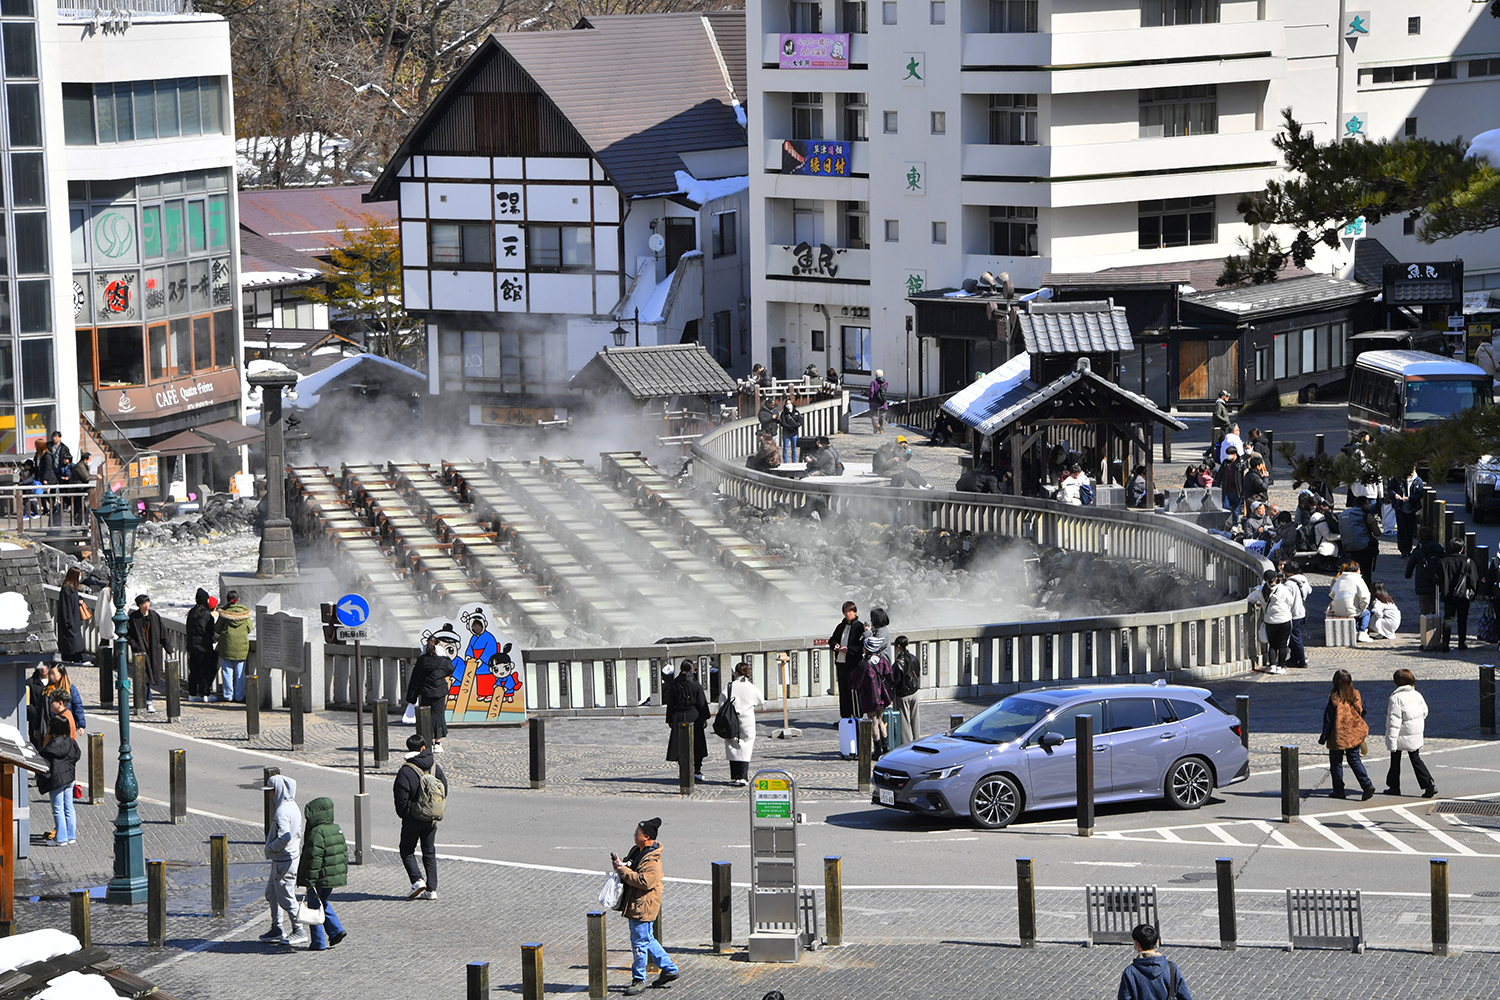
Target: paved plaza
[929, 907]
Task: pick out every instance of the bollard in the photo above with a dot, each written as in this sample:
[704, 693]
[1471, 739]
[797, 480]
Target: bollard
[297, 717]
[1166, 444]
[715, 685]
[1242, 710]
[1291, 787]
[1319, 448]
[156, 903]
[177, 768]
[685, 762]
[218, 864]
[266, 774]
[833, 898]
[723, 909]
[1084, 761]
[479, 980]
[866, 730]
[1439, 871]
[598, 974]
[538, 753]
[1026, 901]
[139, 687]
[1228, 926]
[174, 691]
[252, 703]
[382, 733]
[96, 768]
[362, 827]
[78, 902]
[1486, 700]
[106, 656]
[424, 723]
[532, 984]
[954, 721]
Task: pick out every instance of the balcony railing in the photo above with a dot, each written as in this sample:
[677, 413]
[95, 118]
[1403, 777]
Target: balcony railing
[108, 9]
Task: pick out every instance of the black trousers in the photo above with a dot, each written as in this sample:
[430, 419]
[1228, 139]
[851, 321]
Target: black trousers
[842, 672]
[439, 714]
[739, 769]
[1456, 608]
[1393, 776]
[414, 832]
[201, 670]
[1406, 530]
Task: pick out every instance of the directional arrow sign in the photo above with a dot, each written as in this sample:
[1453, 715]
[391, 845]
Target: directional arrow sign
[353, 610]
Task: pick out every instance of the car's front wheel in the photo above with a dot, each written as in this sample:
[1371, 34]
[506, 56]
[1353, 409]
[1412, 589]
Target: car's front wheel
[994, 802]
[1189, 783]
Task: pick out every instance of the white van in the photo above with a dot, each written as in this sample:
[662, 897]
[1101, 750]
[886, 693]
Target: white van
[1403, 390]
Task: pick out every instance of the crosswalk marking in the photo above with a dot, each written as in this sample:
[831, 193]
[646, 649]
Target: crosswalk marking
[1222, 834]
[1455, 821]
[1316, 827]
[1373, 827]
[1440, 835]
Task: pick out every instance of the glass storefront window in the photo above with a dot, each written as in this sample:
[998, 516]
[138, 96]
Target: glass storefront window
[176, 245]
[198, 285]
[36, 369]
[203, 343]
[77, 236]
[224, 339]
[187, 103]
[122, 360]
[34, 306]
[145, 110]
[177, 289]
[20, 51]
[7, 372]
[151, 232]
[218, 222]
[28, 181]
[197, 238]
[39, 421]
[167, 123]
[114, 235]
[156, 292]
[157, 352]
[24, 102]
[182, 347]
[84, 341]
[31, 243]
[82, 307]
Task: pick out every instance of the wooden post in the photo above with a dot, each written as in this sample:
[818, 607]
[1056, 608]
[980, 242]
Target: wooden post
[218, 861]
[177, 773]
[96, 769]
[538, 739]
[478, 980]
[1026, 901]
[833, 899]
[82, 928]
[598, 970]
[156, 903]
[252, 703]
[296, 735]
[381, 740]
[532, 983]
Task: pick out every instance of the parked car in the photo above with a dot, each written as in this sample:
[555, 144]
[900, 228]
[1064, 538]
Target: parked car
[1150, 741]
[1480, 492]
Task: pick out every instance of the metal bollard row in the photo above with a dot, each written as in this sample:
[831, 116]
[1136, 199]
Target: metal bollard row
[177, 773]
[538, 735]
[297, 720]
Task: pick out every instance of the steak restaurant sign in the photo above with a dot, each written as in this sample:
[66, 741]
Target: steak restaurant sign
[178, 396]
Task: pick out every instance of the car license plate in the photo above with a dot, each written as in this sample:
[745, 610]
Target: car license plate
[887, 797]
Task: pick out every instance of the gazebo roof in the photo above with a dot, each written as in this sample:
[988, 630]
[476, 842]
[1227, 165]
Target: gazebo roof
[1075, 327]
[1006, 397]
[655, 372]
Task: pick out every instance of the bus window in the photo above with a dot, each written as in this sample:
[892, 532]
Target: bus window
[1431, 401]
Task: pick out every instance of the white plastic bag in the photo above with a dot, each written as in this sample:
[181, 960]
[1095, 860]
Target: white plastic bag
[612, 892]
[1388, 520]
[409, 718]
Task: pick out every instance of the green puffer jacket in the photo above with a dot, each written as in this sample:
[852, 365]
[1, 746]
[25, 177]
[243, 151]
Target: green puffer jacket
[325, 856]
[234, 632]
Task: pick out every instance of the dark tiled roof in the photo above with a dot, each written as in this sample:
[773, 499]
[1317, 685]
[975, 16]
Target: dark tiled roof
[1289, 295]
[640, 88]
[307, 219]
[1121, 278]
[655, 372]
[21, 573]
[1082, 384]
[1202, 274]
[1075, 328]
[1370, 259]
[260, 255]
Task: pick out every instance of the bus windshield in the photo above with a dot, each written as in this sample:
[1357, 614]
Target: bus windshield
[1429, 401]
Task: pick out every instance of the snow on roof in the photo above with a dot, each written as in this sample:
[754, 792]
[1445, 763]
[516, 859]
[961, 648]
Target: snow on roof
[1487, 145]
[309, 386]
[971, 399]
[703, 192]
[250, 279]
[260, 365]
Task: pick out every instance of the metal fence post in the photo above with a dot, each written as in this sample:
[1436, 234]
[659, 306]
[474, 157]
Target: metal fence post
[424, 723]
[1084, 729]
[1487, 699]
[173, 684]
[1026, 901]
[532, 984]
[178, 781]
[1291, 785]
[866, 731]
[218, 862]
[1439, 871]
[1242, 709]
[82, 927]
[266, 774]
[297, 719]
[156, 903]
[252, 703]
[598, 974]
[362, 827]
[954, 721]
[833, 898]
[381, 730]
[105, 654]
[685, 761]
[723, 908]
[478, 974]
[96, 768]
[1228, 924]
[538, 752]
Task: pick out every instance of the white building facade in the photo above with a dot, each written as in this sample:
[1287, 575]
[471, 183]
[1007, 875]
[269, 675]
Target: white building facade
[119, 181]
[910, 144]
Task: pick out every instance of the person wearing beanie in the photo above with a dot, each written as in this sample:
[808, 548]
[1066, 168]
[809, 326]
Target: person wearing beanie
[641, 872]
[233, 632]
[417, 828]
[200, 646]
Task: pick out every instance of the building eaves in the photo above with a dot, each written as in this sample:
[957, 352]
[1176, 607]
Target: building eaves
[655, 372]
[1289, 295]
[1075, 328]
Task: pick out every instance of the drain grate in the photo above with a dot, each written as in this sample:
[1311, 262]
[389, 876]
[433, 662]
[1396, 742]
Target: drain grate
[1468, 807]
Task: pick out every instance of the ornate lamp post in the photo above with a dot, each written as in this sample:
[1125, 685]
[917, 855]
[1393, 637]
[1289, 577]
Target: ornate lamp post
[117, 524]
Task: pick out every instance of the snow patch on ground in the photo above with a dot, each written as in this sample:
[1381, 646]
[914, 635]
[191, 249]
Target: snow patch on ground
[37, 946]
[77, 986]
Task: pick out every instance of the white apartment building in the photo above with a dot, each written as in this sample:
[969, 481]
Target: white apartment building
[1037, 137]
[119, 302]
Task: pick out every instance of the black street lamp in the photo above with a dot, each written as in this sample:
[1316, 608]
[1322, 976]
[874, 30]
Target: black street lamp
[117, 524]
[620, 333]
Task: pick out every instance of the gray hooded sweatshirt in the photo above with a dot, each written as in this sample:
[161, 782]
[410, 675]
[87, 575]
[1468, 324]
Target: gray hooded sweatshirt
[284, 842]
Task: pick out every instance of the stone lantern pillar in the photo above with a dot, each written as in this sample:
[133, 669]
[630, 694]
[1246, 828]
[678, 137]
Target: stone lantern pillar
[278, 553]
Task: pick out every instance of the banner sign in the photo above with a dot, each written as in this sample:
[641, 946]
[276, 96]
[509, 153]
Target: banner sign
[814, 52]
[815, 156]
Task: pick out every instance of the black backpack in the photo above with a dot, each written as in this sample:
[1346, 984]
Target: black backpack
[727, 722]
[908, 677]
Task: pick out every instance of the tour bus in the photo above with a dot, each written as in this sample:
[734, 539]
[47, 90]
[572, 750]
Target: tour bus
[1403, 390]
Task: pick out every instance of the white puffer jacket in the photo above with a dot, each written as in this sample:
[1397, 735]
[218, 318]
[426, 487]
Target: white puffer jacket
[1405, 718]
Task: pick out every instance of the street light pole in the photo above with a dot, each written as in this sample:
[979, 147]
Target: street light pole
[117, 537]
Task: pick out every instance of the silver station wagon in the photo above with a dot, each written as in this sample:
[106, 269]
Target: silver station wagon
[1150, 741]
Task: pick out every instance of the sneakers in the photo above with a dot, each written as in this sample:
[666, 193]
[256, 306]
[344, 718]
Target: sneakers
[430, 894]
[274, 934]
[417, 888]
[437, 747]
[211, 698]
[1276, 668]
[741, 782]
[636, 987]
[1429, 793]
[1364, 637]
[299, 938]
[665, 978]
[334, 939]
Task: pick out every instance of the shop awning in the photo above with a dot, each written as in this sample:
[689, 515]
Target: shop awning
[184, 443]
[230, 432]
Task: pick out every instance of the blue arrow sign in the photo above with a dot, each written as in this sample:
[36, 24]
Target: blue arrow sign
[353, 610]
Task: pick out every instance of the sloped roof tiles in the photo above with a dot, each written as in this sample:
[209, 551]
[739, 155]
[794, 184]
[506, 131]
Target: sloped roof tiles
[655, 372]
[1075, 328]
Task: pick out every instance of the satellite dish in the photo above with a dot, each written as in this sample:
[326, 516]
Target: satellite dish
[657, 243]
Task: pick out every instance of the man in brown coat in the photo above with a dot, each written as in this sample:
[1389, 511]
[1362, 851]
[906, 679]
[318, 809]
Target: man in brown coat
[640, 870]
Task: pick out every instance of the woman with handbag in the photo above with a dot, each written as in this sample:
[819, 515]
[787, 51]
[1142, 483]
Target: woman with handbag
[740, 699]
[72, 613]
[1344, 732]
